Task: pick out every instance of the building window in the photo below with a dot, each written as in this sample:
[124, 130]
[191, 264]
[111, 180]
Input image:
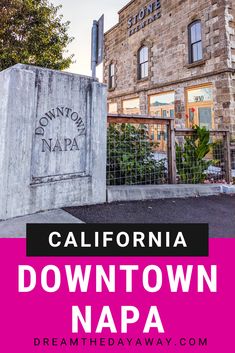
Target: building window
[131, 106]
[195, 42]
[111, 76]
[112, 108]
[200, 107]
[143, 63]
[162, 105]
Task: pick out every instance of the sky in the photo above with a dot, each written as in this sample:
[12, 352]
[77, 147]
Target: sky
[81, 15]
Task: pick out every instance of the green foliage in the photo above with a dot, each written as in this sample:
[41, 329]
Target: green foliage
[32, 32]
[130, 157]
[218, 151]
[190, 158]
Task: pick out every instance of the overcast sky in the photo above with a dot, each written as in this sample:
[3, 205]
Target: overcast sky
[81, 15]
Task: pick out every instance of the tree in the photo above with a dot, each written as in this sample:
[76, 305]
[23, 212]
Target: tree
[32, 32]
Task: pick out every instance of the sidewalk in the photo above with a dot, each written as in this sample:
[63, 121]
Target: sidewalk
[16, 227]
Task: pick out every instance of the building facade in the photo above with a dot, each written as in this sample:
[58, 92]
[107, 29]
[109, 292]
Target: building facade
[174, 58]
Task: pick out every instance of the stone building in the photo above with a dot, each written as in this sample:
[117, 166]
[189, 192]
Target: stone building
[174, 58]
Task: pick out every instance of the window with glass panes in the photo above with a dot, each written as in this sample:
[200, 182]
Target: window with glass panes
[143, 63]
[111, 76]
[131, 106]
[195, 42]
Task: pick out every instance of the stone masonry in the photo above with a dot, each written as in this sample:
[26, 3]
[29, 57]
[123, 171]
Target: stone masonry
[169, 68]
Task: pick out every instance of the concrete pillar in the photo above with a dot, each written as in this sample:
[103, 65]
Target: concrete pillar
[52, 140]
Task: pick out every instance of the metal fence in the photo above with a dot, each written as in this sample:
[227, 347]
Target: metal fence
[137, 150]
[202, 157]
[144, 150]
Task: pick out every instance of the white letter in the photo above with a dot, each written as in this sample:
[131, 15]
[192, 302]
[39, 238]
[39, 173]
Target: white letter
[185, 281]
[57, 279]
[54, 245]
[70, 240]
[22, 288]
[106, 239]
[158, 274]
[96, 239]
[110, 282]
[211, 282]
[138, 238]
[127, 240]
[153, 314]
[180, 240]
[106, 313]
[83, 241]
[157, 241]
[86, 323]
[129, 280]
[125, 321]
[78, 277]
[168, 238]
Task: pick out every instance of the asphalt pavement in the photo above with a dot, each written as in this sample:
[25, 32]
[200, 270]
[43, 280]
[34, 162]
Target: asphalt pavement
[218, 211]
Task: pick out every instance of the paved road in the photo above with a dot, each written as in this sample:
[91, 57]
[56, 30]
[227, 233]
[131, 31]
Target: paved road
[218, 211]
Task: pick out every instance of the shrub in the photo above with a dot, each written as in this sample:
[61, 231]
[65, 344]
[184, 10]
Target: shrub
[190, 157]
[130, 157]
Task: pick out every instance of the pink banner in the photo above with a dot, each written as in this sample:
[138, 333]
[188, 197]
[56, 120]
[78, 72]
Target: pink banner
[193, 321]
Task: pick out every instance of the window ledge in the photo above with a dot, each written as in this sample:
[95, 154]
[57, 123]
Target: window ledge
[140, 80]
[195, 64]
[111, 89]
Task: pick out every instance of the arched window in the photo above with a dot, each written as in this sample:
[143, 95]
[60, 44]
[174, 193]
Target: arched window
[195, 41]
[111, 76]
[143, 63]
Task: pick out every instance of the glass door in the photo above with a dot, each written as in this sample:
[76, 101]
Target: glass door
[162, 105]
[205, 117]
[200, 106]
[201, 116]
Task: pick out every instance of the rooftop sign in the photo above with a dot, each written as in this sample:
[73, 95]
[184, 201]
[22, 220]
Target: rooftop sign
[144, 17]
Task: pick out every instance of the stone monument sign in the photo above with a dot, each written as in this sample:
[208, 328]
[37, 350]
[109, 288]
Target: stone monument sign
[52, 140]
